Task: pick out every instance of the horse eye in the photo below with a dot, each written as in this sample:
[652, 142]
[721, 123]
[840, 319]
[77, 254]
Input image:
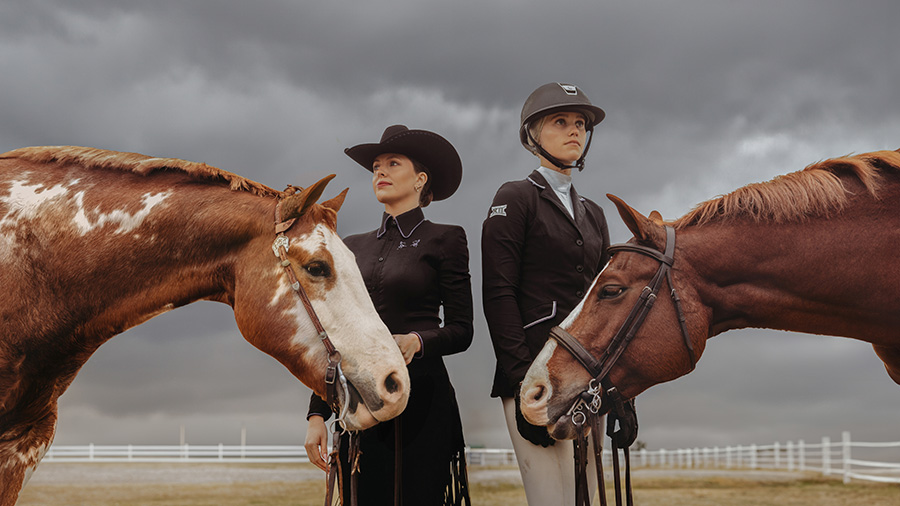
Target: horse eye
[318, 269]
[611, 291]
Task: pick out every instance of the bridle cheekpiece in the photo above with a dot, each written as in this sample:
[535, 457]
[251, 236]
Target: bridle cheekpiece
[334, 375]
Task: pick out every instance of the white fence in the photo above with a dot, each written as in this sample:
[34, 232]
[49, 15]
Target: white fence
[849, 459]
[224, 453]
[881, 461]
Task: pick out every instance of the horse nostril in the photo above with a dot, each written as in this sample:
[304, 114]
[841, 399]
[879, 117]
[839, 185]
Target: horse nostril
[534, 394]
[391, 384]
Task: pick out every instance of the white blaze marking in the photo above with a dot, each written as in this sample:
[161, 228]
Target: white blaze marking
[570, 319]
[538, 370]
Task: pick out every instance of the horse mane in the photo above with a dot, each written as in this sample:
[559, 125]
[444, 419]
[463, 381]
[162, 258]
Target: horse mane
[816, 190]
[138, 164]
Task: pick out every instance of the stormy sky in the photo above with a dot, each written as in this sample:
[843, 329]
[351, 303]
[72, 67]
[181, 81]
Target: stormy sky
[701, 97]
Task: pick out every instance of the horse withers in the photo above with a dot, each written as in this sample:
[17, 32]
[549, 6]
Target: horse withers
[813, 251]
[94, 242]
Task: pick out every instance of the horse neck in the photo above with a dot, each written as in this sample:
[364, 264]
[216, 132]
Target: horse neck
[199, 239]
[805, 277]
[182, 251]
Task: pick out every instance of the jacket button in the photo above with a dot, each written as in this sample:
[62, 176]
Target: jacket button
[579, 293]
[579, 268]
[381, 259]
[579, 242]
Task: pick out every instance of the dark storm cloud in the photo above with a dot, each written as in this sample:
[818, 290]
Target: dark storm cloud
[701, 98]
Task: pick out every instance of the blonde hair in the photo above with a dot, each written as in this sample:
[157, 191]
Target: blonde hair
[534, 130]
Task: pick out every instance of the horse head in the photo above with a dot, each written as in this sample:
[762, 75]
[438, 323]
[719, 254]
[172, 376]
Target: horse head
[656, 353]
[271, 314]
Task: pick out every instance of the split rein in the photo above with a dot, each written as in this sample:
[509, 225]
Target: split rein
[601, 397]
[334, 375]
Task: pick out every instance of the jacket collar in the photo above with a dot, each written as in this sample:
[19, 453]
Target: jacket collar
[407, 222]
[538, 180]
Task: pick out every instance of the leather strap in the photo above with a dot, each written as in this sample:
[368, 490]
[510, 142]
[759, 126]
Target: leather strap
[594, 401]
[334, 356]
[574, 347]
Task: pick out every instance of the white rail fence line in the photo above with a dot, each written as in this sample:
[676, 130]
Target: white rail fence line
[829, 458]
[223, 453]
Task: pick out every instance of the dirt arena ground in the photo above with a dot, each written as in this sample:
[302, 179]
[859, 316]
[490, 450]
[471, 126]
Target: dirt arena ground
[195, 484]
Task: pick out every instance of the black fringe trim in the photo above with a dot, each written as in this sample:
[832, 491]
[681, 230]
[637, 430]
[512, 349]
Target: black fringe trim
[457, 491]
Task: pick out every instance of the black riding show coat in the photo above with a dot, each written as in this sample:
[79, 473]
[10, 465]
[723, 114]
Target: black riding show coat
[538, 262]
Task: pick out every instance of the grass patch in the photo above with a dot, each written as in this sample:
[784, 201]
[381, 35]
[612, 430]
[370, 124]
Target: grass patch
[683, 490]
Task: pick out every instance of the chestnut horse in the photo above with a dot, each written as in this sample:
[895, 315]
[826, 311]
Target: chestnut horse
[93, 242]
[813, 251]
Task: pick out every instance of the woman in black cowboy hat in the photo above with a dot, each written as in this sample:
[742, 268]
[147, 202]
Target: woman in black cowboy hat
[412, 267]
[542, 245]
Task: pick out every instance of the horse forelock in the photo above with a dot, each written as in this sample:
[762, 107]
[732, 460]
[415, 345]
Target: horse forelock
[817, 190]
[137, 163]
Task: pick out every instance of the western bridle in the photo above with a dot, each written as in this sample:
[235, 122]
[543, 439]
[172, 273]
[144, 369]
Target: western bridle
[601, 396]
[334, 375]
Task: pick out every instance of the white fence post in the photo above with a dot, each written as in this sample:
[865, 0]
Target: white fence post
[776, 450]
[826, 456]
[790, 455]
[845, 443]
[91, 451]
[753, 457]
[801, 455]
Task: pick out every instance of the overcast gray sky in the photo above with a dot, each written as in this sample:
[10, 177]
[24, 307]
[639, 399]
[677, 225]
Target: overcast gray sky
[701, 97]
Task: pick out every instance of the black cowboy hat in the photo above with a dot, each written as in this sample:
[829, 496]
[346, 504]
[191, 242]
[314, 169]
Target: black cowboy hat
[428, 148]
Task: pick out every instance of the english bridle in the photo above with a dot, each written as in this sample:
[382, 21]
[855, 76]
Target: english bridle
[601, 396]
[334, 375]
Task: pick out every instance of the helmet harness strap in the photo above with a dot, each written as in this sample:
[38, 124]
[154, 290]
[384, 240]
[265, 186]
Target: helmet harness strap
[579, 164]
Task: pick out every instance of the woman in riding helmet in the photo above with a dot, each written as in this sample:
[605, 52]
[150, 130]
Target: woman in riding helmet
[542, 246]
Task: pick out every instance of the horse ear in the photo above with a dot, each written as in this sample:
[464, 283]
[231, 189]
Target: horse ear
[643, 228]
[336, 202]
[295, 205]
[655, 217]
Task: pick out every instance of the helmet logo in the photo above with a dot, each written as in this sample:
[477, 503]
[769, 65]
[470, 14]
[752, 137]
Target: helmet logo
[570, 89]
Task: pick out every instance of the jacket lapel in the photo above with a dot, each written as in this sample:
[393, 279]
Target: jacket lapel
[578, 207]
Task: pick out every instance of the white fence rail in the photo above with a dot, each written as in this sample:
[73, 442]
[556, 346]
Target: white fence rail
[223, 453]
[850, 459]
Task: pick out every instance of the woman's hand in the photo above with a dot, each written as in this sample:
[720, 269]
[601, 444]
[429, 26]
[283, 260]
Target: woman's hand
[409, 345]
[316, 443]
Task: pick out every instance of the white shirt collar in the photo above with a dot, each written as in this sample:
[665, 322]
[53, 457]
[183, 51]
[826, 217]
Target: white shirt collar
[557, 180]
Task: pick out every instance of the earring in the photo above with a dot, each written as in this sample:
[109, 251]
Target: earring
[418, 187]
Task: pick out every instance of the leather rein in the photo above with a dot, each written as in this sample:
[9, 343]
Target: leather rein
[601, 396]
[334, 375]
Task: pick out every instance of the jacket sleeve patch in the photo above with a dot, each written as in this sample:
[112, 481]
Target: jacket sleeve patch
[498, 211]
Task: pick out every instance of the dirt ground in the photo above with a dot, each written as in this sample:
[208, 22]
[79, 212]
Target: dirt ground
[154, 484]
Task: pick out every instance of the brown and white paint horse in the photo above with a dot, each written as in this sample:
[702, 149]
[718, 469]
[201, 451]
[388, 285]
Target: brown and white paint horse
[813, 251]
[94, 242]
